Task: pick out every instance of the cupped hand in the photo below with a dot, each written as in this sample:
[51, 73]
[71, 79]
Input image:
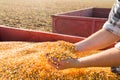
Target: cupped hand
[64, 64]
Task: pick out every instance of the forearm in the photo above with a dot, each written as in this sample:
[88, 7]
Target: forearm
[110, 57]
[98, 40]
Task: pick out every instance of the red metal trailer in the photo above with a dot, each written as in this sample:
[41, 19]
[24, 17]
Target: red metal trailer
[80, 22]
[15, 34]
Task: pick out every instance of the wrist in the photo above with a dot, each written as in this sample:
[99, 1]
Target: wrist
[79, 47]
[82, 63]
[76, 63]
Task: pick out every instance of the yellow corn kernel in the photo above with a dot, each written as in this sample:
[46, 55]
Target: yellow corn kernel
[28, 61]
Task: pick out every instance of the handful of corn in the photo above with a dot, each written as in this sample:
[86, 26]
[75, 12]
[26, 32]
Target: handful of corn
[27, 61]
[64, 50]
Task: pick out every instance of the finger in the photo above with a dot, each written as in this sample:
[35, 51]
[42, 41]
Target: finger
[53, 62]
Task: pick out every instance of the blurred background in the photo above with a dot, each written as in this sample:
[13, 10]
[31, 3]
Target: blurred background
[36, 14]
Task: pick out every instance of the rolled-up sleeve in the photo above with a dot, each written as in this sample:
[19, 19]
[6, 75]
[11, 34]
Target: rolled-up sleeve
[112, 28]
[113, 22]
[117, 45]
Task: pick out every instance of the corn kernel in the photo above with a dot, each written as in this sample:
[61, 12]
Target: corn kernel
[27, 61]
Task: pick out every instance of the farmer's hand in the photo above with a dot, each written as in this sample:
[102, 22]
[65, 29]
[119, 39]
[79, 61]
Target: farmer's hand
[64, 64]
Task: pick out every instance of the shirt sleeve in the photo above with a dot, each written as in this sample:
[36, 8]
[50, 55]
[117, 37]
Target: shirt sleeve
[117, 45]
[112, 28]
[113, 22]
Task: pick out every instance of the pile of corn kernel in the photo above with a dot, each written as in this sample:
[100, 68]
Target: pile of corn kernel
[27, 61]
